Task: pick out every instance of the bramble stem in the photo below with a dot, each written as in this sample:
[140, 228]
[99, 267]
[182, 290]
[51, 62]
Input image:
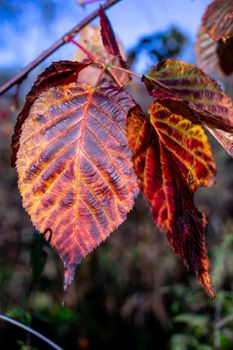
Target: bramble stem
[60, 42]
[89, 55]
[113, 75]
[96, 61]
[100, 76]
[32, 331]
[102, 64]
[127, 71]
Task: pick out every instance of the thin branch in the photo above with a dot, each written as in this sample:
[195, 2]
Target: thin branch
[87, 2]
[89, 54]
[32, 331]
[60, 42]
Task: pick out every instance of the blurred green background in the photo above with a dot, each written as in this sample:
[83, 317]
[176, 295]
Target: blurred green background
[131, 292]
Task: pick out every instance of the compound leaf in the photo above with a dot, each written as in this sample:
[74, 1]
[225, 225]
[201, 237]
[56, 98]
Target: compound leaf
[74, 166]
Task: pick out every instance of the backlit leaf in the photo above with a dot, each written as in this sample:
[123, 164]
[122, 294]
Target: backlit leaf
[185, 83]
[206, 50]
[109, 40]
[224, 138]
[91, 39]
[74, 166]
[55, 74]
[214, 57]
[218, 19]
[108, 37]
[172, 158]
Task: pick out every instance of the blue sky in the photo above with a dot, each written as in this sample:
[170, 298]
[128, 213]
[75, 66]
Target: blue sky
[25, 33]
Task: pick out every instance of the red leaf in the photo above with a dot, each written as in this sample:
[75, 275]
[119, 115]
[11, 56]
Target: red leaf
[74, 166]
[168, 152]
[224, 138]
[57, 73]
[214, 56]
[108, 38]
[218, 19]
[193, 93]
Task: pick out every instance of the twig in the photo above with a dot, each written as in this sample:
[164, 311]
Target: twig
[87, 2]
[32, 331]
[60, 42]
[16, 95]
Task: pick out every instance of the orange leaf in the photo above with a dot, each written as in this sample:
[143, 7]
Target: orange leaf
[218, 19]
[55, 74]
[172, 158]
[74, 167]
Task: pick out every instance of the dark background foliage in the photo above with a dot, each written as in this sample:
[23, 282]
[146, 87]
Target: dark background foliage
[131, 292]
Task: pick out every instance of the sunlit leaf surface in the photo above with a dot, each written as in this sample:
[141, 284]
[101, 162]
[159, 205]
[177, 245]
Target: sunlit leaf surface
[74, 166]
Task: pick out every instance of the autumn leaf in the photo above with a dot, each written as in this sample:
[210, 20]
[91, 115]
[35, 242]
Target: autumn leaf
[224, 138]
[74, 166]
[218, 19]
[172, 158]
[58, 72]
[188, 91]
[183, 82]
[206, 51]
[214, 57]
[109, 40]
[108, 37]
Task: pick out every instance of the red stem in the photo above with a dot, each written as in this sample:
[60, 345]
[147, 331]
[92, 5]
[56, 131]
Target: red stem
[127, 71]
[60, 42]
[89, 55]
[113, 75]
[100, 76]
[96, 61]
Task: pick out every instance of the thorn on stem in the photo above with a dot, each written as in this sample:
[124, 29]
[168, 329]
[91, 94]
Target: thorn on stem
[47, 234]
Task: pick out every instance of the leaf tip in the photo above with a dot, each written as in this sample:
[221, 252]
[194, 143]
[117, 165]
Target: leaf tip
[205, 281]
[68, 278]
